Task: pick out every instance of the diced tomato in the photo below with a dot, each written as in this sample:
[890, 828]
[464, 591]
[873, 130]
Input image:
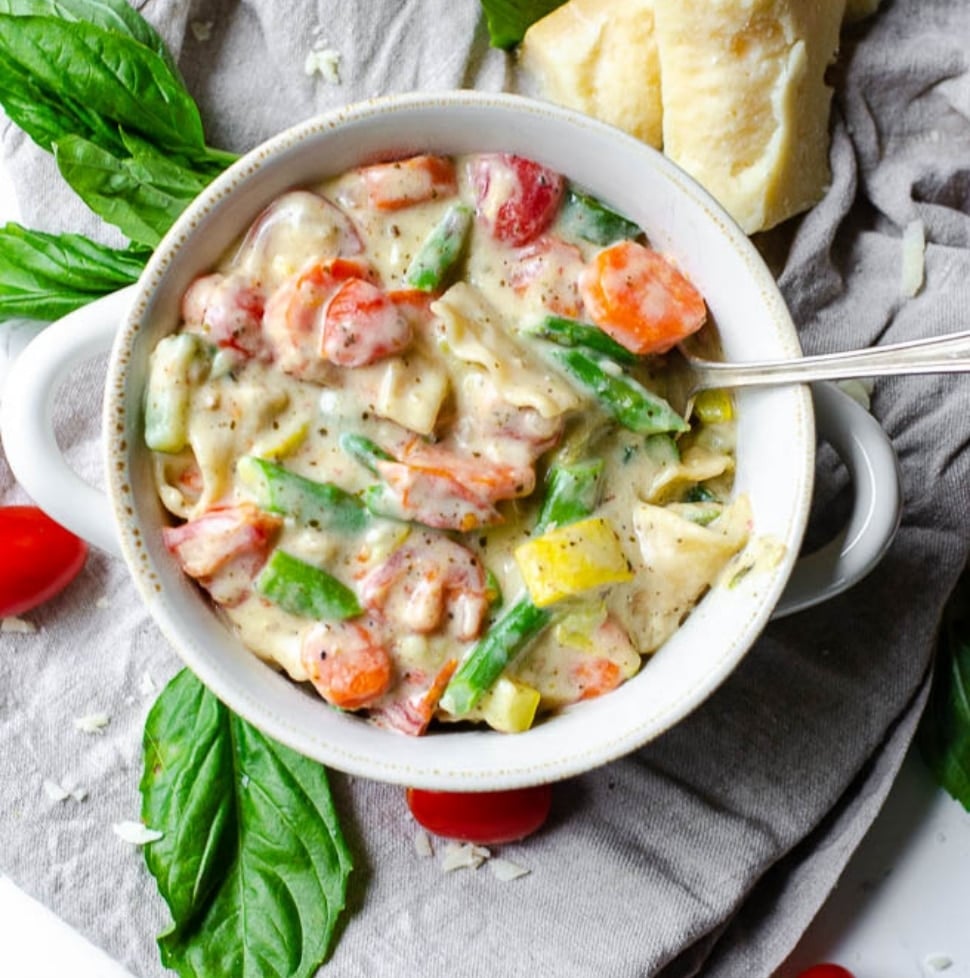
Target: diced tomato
[517, 199]
[362, 325]
[485, 818]
[40, 558]
[640, 299]
[391, 186]
[547, 272]
[595, 676]
[347, 664]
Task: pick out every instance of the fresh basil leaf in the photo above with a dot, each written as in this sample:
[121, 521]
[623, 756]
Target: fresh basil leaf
[944, 732]
[110, 74]
[46, 276]
[142, 196]
[113, 15]
[45, 116]
[508, 20]
[252, 862]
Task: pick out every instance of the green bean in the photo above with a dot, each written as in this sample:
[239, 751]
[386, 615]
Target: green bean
[479, 670]
[586, 217]
[571, 332]
[627, 400]
[571, 492]
[321, 505]
[305, 590]
[440, 250]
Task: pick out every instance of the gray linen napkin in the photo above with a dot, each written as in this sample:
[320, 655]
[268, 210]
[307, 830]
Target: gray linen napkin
[707, 852]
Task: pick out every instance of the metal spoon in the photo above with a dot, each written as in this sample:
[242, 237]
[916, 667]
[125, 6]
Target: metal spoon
[939, 354]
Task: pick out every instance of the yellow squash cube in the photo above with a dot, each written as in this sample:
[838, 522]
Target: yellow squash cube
[572, 559]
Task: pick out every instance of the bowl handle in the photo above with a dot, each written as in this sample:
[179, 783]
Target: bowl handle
[26, 418]
[868, 454]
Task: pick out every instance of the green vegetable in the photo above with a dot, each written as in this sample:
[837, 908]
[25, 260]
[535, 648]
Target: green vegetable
[142, 194]
[46, 276]
[92, 82]
[321, 505]
[303, 589]
[571, 493]
[571, 332]
[367, 452]
[179, 363]
[491, 654]
[107, 81]
[944, 732]
[508, 20]
[585, 217]
[628, 401]
[113, 15]
[662, 449]
[570, 496]
[252, 862]
[440, 250]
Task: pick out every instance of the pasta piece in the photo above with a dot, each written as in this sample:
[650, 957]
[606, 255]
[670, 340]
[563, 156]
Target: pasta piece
[471, 331]
[681, 560]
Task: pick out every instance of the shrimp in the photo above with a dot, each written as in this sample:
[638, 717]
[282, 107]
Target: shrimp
[430, 582]
[546, 272]
[347, 663]
[224, 548]
[228, 309]
[295, 313]
[438, 487]
[411, 706]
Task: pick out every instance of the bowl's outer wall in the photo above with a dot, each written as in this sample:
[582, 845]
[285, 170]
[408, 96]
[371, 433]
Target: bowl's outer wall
[776, 440]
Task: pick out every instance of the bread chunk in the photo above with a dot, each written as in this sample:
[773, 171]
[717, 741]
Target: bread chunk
[745, 104]
[600, 57]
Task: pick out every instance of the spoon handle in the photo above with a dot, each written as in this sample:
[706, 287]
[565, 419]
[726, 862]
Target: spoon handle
[940, 354]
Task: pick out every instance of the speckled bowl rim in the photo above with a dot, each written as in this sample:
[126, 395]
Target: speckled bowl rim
[583, 736]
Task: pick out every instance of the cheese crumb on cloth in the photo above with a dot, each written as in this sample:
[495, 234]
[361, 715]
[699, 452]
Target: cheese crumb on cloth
[709, 851]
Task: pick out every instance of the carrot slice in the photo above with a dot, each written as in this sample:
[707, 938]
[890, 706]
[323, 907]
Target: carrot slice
[640, 299]
[391, 186]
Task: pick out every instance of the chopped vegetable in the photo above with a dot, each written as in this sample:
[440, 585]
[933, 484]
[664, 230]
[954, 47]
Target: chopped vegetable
[321, 505]
[590, 219]
[403, 183]
[627, 400]
[572, 559]
[571, 494]
[516, 198]
[510, 706]
[178, 364]
[570, 332]
[637, 296]
[440, 250]
[367, 452]
[305, 590]
[347, 664]
[482, 666]
[714, 406]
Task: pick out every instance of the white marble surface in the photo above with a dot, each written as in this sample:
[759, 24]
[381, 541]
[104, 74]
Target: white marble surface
[900, 910]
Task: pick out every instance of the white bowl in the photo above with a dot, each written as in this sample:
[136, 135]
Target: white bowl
[775, 454]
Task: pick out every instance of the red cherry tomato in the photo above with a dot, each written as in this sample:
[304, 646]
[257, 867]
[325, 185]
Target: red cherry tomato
[516, 198]
[826, 971]
[487, 818]
[40, 558]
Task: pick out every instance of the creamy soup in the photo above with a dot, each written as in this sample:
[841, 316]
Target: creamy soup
[415, 435]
